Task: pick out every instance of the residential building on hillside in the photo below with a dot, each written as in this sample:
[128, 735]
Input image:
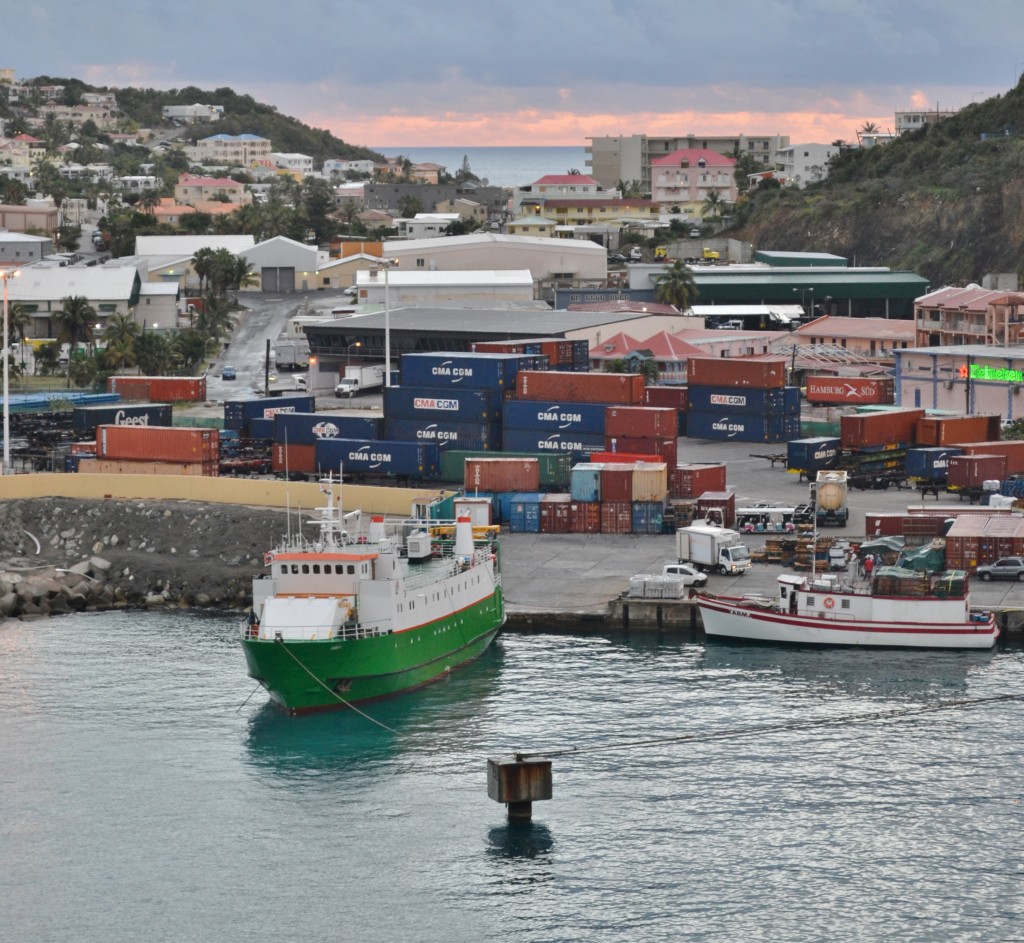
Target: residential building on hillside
[971, 315]
[686, 177]
[191, 190]
[230, 150]
[390, 196]
[294, 163]
[586, 212]
[628, 157]
[426, 225]
[104, 116]
[916, 119]
[531, 225]
[801, 164]
[466, 209]
[533, 197]
[192, 114]
[342, 168]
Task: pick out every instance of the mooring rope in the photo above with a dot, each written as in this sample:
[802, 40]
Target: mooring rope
[331, 691]
[893, 713]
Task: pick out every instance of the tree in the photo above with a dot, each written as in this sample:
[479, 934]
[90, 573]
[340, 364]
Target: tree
[12, 192]
[409, 206]
[68, 237]
[120, 334]
[465, 172]
[82, 369]
[676, 286]
[462, 227]
[317, 203]
[630, 189]
[149, 201]
[189, 348]
[202, 264]
[713, 203]
[75, 322]
[154, 354]
[196, 224]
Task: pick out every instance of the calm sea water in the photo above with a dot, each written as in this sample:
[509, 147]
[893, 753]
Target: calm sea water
[139, 802]
[500, 166]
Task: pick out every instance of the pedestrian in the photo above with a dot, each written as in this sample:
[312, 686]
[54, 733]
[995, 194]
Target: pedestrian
[869, 565]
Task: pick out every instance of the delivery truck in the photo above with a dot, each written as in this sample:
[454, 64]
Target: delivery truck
[358, 378]
[718, 549]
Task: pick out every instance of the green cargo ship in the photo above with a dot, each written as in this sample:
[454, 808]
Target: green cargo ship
[345, 618]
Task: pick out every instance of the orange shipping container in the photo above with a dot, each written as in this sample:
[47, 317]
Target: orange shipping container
[764, 373]
[289, 458]
[945, 430]
[502, 474]
[612, 388]
[158, 443]
[864, 430]
[646, 422]
[1013, 449]
[853, 391]
[585, 517]
[107, 466]
[159, 389]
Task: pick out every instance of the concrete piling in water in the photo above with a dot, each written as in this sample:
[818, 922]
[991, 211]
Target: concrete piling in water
[518, 782]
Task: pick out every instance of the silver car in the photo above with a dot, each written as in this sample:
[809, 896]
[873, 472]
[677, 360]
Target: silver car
[1006, 568]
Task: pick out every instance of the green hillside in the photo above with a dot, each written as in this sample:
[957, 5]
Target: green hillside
[946, 202]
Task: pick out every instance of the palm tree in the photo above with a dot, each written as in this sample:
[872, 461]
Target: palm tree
[676, 286]
[149, 201]
[120, 334]
[202, 263]
[713, 202]
[869, 127]
[75, 321]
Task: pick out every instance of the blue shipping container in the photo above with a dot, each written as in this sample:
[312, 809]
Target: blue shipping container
[554, 417]
[455, 435]
[362, 457]
[524, 513]
[503, 506]
[307, 428]
[812, 454]
[258, 429]
[529, 440]
[585, 481]
[238, 413]
[648, 517]
[930, 463]
[465, 370]
[87, 418]
[744, 400]
[741, 427]
[451, 405]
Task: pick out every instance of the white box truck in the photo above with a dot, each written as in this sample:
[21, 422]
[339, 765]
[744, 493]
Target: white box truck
[359, 379]
[718, 549]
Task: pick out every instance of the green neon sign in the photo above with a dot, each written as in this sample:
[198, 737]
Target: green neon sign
[979, 371]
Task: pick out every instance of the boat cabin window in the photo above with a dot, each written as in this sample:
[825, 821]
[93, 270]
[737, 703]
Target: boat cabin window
[351, 569]
[316, 567]
[844, 604]
[810, 600]
[305, 568]
[295, 568]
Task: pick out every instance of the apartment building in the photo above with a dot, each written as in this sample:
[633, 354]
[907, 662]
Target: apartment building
[801, 164]
[956, 316]
[230, 150]
[686, 177]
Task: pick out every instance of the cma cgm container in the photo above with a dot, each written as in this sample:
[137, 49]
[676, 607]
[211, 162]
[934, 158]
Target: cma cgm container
[585, 481]
[764, 373]
[554, 417]
[868, 430]
[238, 413]
[972, 471]
[945, 430]
[811, 455]
[929, 464]
[161, 389]
[468, 371]
[613, 389]
[306, 428]
[692, 480]
[741, 427]
[383, 457]
[502, 474]
[448, 405]
[644, 422]
[158, 443]
[852, 391]
[530, 440]
[258, 429]
[1012, 449]
[87, 418]
[457, 435]
[745, 400]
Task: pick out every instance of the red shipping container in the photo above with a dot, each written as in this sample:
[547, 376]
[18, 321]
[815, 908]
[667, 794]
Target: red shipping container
[765, 373]
[585, 517]
[883, 525]
[84, 448]
[622, 458]
[692, 480]
[665, 449]
[724, 501]
[616, 517]
[645, 422]
[109, 466]
[947, 430]
[158, 443]
[970, 471]
[617, 483]
[159, 389]
[611, 388]
[300, 459]
[850, 390]
[502, 474]
[864, 430]
[668, 397]
[1012, 449]
[554, 513]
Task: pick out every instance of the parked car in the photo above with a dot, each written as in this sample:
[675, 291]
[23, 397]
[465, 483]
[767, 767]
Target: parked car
[635, 254]
[616, 258]
[1006, 568]
[228, 373]
[695, 234]
[351, 291]
[689, 575]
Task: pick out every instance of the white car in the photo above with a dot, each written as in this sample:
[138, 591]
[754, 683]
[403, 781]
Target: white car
[686, 573]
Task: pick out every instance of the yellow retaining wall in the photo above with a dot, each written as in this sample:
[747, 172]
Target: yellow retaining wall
[248, 491]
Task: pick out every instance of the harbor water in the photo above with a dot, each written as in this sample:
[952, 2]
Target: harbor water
[144, 797]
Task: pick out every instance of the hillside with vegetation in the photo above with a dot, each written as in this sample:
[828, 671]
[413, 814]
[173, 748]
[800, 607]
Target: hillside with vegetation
[946, 202]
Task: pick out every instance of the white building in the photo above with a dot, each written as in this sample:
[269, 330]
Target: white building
[295, 163]
[917, 119]
[419, 288]
[802, 164]
[426, 225]
[230, 150]
[191, 114]
[342, 168]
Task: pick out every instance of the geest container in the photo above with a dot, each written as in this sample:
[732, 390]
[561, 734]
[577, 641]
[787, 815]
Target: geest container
[469, 371]
[815, 454]
[643, 422]
[160, 389]
[158, 443]
[743, 400]
[501, 473]
[610, 388]
[554, 417]
[585, 481]
[763, 373]
[929, 464]
[383, 457]
[850, 390]
[449, 405]
[456, 435]
[87, 418]
[238, 413]
[692, 480]
[971, 471]
[865, 430]
[945, 430]
[530, 440]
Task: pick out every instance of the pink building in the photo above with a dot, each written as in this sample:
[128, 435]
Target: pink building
[688, 175]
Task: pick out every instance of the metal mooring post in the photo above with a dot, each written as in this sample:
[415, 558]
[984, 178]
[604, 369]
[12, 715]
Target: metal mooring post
[518, 783]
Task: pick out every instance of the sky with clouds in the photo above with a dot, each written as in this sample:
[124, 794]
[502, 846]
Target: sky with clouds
[528, 72]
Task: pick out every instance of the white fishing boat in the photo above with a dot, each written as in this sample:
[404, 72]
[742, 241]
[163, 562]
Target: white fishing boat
[900, 609]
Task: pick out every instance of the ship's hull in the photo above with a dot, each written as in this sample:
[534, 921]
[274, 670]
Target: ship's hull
[305, 676]
[731, 620]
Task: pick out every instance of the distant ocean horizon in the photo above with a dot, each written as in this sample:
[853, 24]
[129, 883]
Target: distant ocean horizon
[499, 166]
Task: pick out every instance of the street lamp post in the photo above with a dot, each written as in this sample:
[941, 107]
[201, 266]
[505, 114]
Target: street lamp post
[7, 276]
[803, 292]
